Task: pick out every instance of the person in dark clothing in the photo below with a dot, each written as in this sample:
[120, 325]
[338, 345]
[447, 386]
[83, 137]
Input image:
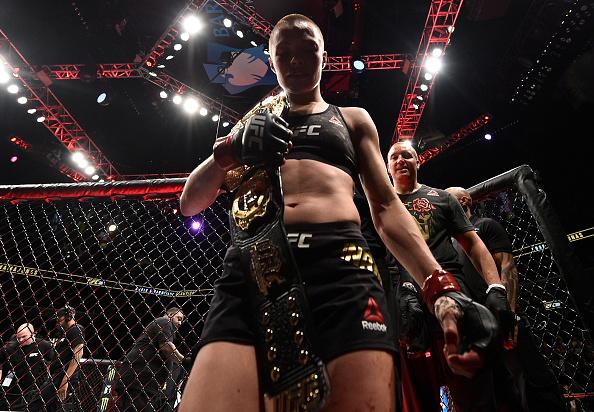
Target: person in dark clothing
[26, 360]
[522, 376]
[439, 217]
[148, 364]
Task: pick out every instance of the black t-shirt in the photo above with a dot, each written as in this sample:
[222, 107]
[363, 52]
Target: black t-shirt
[65, 350]
[439, 217]
[495, 238]
[145, 366]
[29, 364]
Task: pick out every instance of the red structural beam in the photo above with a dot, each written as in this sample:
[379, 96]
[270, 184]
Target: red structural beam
[372, 62]
[173, 85]
[247, 15]
[440, 24]
[58, 119]
[104, 71]
[467, 130]
[170, 34]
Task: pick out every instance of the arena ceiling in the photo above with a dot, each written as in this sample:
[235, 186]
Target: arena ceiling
[539, 53]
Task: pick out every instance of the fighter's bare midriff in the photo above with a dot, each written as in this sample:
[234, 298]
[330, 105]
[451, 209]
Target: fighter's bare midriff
[317, 192]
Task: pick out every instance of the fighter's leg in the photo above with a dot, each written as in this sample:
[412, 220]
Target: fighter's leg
[224, 378]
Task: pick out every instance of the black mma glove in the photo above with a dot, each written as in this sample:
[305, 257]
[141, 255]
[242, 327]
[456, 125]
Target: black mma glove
[263, 140]
[412, 326]
[187, 363]
[477, 326]
[498, 304]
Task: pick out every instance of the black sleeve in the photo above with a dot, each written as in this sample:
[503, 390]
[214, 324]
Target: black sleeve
[75, 336]
[459, 222]
[47, 350]
[160, 331]
[2, 356]
[494, 236]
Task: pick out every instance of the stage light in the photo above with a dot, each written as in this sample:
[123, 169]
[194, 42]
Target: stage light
[13, 88]
[177, 46]
[424, 87]
[227, 22]
[190, 105]
[177, 99]
[433, 64]
[40, 119]
[90, 170]
[196, 225]
[416, 106]
[358, 65]
[153, 74]
[239, 34]
[192, 24]
[22, 100]
[203, 111]
[436, 52]
[185, 36]
[112, 227]
[82, 163]
[266, 52]
[163, 94]
[13, 139]
[13, 159]
[169, 57]
[161, 66]
[215, 118]
[488, 136]
[77, 157]
[419, 97]
[428, 76]
[225, 124]
[253, 43]
[103, 99]
[4, 76]
[95, 177]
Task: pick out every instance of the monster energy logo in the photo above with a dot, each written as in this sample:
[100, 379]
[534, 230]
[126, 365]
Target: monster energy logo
[106, 391]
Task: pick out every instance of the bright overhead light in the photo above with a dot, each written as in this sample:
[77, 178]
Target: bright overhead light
[102, 98]
[177, 99]
[41, 119]
[161, 66]
[169, 57]
[433, 64]
[428, 76]
[95, 177]
[89, 170]
[227, 22]
[22, 100]
[239, 34]
[185, 36]
[4, 77]
[203, 111]
[225, 124]
[153, 74]
[488, 136]
[163, 94]
[192, 24]
[77, 156]
[31, 111]
[436, 52]
[253, 43]
[13, 88]
[177, 46]
[82, 163]
[112, 227]
[215, 118]
[424, 87]
[14, 158]
[191, 105]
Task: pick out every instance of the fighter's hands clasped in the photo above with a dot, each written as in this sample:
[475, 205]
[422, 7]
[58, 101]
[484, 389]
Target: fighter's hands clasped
[470, 330]
[264, 140]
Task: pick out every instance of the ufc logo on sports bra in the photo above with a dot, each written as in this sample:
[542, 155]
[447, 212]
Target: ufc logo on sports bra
[300, 239]
[308, 130]
[254, 138]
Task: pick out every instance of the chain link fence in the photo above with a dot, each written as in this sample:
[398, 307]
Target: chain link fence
[120, 256]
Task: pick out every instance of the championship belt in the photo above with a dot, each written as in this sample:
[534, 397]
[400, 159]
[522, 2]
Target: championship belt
[291, 374]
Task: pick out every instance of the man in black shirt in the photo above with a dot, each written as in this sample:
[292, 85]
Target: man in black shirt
[69, 348]
[522, 375]
[27, 360]
[149, 363]
[440, 217]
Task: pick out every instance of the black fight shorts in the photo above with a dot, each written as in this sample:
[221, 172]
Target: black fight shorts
[342, 284]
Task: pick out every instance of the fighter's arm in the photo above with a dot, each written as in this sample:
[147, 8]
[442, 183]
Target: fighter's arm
[509, 275]
[169, 349]
[393, 222]
[479, 256]
[202, 187]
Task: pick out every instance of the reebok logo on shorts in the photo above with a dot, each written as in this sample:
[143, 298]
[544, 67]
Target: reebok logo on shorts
[373, 318]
